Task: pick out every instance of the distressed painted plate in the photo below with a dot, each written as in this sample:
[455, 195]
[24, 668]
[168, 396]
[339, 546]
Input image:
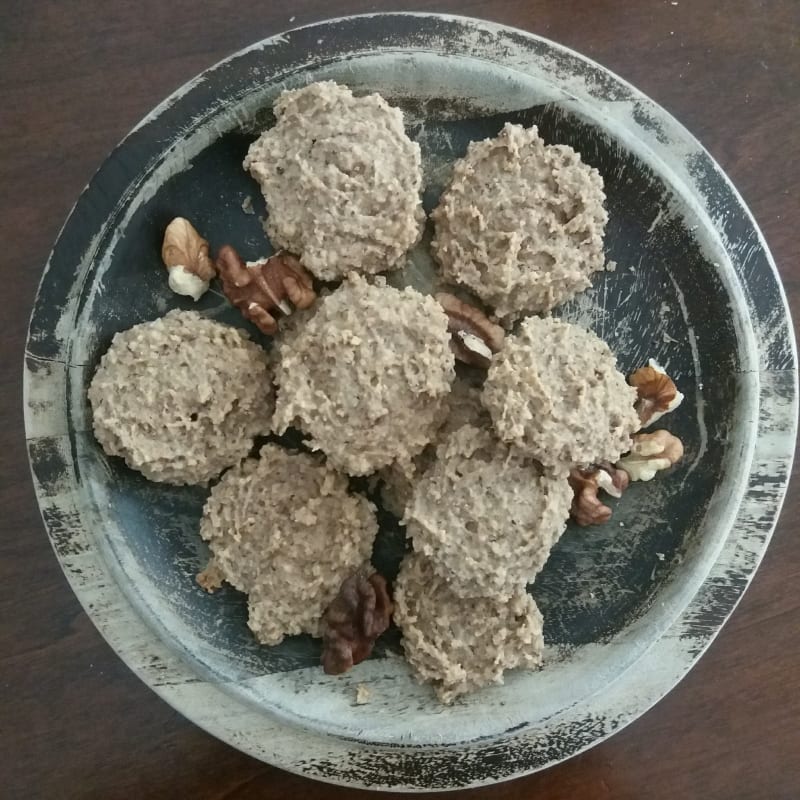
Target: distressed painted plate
[629, 606]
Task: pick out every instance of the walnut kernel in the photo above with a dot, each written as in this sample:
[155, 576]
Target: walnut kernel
[474, 339]
[363, 694]
[358, 615]
[185, 255]
[587, 508]
[260, 289]
[658, 394]
[651, 453]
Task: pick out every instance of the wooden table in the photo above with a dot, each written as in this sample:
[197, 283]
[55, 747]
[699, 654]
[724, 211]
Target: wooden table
[74, 77]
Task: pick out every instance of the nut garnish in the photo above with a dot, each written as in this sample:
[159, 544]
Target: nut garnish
[651, 453]
[658, 394]
[587, 508]
[474, 338]
[363, 694]
[358, 615]
[185, 255]
[264, 287]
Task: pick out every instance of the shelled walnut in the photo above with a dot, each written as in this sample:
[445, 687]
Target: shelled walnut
[651, 453]
[474, 339]
[260, 289]
[587, 508]
[185, 255]
[658, 394]
[358, 615]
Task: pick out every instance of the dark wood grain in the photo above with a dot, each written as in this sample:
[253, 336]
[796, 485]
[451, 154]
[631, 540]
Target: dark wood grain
[74, 77]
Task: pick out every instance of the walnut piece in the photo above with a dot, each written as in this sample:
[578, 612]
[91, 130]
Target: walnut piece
[358, 615]
[260, 289]
[363, 694]
[474, 339]
[185, 255]
[587, 508]
[651, 453]
[658, 393]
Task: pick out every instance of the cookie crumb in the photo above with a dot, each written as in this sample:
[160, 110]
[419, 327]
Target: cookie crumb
[363, 694]
[211, 578]
[247, 205]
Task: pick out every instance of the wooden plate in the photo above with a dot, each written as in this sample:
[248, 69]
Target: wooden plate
[629, 606]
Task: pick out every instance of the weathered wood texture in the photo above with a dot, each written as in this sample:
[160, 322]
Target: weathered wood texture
[74, 77]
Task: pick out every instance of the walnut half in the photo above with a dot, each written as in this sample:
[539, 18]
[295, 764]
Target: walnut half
[185, 255]
[587, 508]
[260, 289]
[657, 392]
[474, 339]
[651, 453]
[358, 615]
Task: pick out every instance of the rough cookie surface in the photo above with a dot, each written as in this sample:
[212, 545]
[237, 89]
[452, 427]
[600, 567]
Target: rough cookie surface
[463, 407]
[181, 398]
[458, 644]
[284, 529]
[521, 223]
[366, 376]
[555, 392]
[485, 515]
[341, 179]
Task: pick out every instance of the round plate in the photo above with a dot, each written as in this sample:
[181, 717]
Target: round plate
[628, 606]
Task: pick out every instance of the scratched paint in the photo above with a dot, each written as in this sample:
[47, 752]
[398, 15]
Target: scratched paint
[623, 625]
